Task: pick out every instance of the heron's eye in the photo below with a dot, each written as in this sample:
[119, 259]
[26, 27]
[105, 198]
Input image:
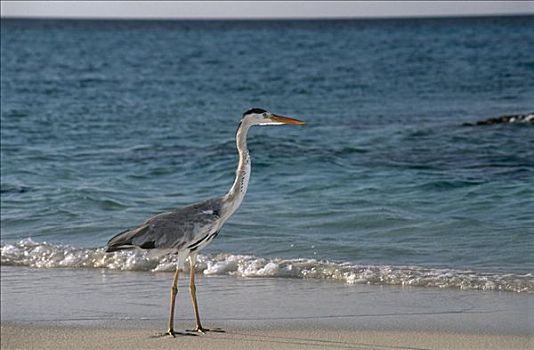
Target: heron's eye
[265, 115]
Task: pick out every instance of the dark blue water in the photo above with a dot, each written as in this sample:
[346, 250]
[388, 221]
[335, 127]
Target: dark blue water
[105, 123]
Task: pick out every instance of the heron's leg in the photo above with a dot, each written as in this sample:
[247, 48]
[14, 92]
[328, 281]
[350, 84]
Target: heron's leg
[193, 291]
[174, 290]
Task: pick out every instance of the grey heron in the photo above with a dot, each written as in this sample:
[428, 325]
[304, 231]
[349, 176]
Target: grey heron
[187, 230]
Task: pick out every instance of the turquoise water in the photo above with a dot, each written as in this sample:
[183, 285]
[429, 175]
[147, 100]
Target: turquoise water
[105, 123]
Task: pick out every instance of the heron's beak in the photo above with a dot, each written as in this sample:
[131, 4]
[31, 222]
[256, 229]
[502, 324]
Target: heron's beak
[286, 120]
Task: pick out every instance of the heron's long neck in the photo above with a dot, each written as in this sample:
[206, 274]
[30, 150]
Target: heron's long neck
[235, 196]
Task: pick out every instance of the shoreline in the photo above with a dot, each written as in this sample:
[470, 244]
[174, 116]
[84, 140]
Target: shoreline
[102, 309]
[32, 254]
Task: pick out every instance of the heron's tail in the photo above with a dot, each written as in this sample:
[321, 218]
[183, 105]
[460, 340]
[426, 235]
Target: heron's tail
[118, 242]
[127, 240]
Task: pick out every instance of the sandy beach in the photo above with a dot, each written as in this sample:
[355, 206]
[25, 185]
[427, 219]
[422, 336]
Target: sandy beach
[43, 337]
[102, 309]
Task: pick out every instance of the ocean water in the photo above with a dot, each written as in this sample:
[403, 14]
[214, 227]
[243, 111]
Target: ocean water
[105, 123]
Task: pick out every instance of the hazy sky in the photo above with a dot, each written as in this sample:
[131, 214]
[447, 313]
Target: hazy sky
[260, 9]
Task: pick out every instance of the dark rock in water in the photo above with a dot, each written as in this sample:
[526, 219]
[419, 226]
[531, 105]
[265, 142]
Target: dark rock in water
[13, 189]
[505, 119]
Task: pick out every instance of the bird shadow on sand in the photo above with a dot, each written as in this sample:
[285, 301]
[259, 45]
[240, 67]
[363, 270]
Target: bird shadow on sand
[175, 334]
[321, 343]
[305, 342]
[187, 332]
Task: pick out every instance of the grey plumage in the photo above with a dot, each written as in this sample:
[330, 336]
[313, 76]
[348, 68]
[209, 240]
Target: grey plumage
[180, 229]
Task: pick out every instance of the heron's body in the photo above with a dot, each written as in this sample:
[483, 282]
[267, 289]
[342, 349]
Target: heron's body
[187, 230]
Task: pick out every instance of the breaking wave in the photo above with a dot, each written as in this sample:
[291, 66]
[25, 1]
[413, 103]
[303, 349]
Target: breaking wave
[43, 255]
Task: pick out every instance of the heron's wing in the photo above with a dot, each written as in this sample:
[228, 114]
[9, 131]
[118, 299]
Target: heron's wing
[172, 230]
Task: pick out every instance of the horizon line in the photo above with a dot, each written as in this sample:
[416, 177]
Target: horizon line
[267, 18]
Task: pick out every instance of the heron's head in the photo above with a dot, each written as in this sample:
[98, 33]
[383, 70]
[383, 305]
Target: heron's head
[258, 116]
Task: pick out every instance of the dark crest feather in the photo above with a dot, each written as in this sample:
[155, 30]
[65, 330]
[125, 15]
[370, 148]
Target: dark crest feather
[254, 111]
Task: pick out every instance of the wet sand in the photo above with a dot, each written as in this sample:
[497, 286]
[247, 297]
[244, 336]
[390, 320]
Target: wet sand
[103, 309]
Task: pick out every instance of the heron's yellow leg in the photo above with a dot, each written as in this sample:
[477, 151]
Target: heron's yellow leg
[174, 290]
[193, 291]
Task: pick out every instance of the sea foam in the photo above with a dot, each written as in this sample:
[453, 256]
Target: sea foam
[44, 255]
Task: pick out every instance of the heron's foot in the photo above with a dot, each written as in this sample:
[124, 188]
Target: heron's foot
[199, 329]
[172, 333]
[202, 330]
